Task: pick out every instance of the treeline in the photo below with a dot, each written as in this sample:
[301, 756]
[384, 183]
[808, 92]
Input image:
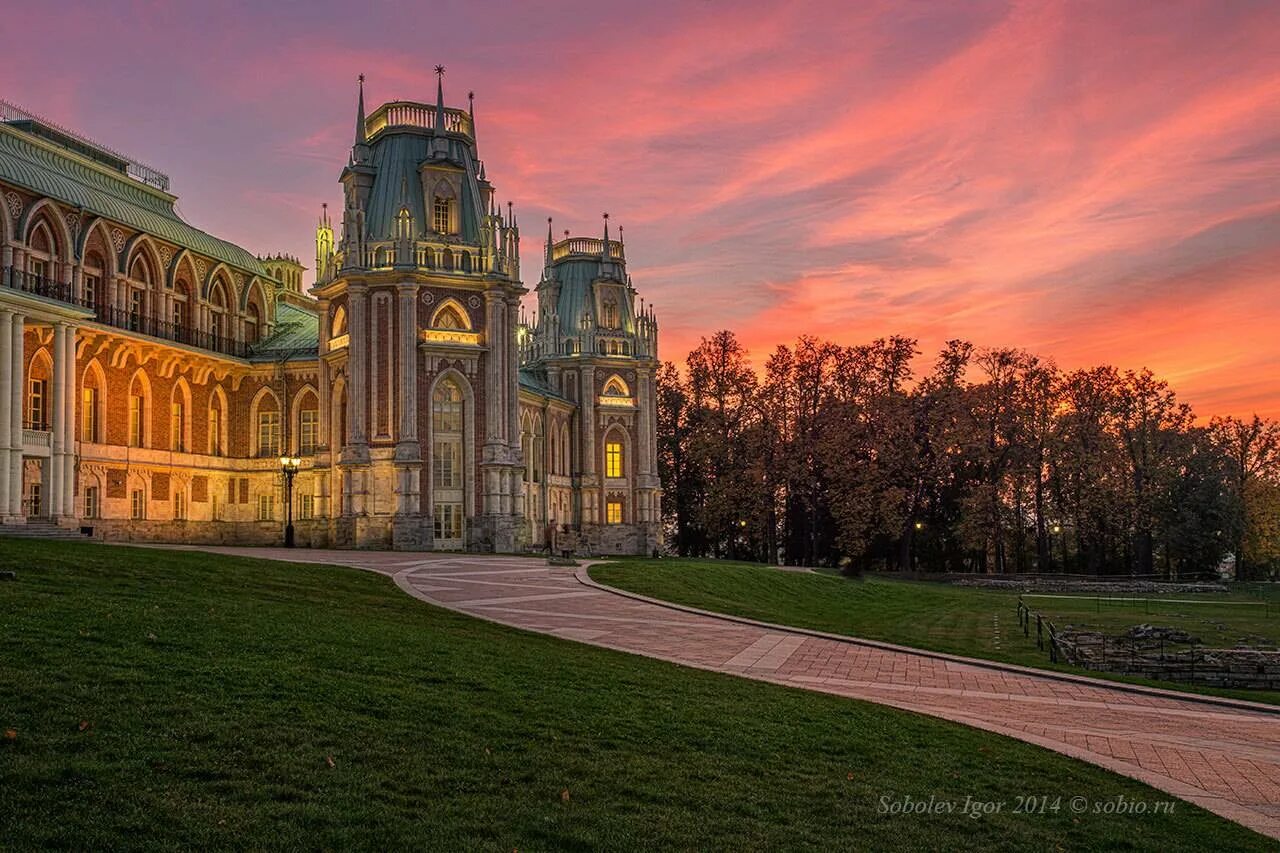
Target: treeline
[994, 461]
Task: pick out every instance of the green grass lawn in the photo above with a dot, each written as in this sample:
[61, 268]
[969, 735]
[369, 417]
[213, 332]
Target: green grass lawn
[980, 623]
[175, 699]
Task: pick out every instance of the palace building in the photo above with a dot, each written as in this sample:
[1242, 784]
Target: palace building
[161, 384]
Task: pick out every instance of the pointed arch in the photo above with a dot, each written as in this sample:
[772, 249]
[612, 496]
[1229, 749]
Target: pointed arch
[304, 435]
[338, 326]
[615, 446]
[221, 271]
[254, 287]
[264, 423]
[140, 397]
[37, 393]
[180, 416]
[93, 402]
[216, 427]
[141, 245]
[101, 227]
[450, 310]
[616, 386]
[443, 384]
[47, 209]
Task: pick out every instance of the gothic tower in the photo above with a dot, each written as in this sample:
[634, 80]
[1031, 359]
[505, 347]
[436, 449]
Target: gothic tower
[418, 317]
[596, 347]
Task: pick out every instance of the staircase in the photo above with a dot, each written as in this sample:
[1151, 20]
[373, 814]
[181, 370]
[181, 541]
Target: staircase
[42, 528]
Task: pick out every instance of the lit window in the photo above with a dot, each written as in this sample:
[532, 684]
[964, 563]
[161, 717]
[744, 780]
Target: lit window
[266, 507]
[91, 502]
[89, 414]
[308, 431]
[268, 433]
[440, 215]
[613, 459]
[613, 512]
[138, 504]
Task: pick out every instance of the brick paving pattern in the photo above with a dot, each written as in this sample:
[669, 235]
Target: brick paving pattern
[1222, 757]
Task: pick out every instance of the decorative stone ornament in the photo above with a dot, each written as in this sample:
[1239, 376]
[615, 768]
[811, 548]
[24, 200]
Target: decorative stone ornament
[117, 239]
[15, 204]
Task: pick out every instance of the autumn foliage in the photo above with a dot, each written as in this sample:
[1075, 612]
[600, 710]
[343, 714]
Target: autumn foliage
[995, 460]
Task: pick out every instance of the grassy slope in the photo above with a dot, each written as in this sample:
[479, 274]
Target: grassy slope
[978, 623]
[216, 688]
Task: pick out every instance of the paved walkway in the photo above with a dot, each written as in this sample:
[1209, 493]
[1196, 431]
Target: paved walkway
[1226, 759]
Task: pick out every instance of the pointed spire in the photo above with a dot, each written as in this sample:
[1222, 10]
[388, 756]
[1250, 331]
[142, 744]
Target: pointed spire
[439, 129]
[361, 138]
[324, 213]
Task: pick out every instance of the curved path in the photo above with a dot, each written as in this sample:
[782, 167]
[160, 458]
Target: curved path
[1222, 756]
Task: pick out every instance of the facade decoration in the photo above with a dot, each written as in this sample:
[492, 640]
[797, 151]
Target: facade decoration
[150, 398]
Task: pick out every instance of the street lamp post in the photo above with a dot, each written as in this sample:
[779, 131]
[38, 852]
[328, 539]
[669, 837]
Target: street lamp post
[289, 468]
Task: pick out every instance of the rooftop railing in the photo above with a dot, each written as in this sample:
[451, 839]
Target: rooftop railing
[414, 114]
[80, 144]
[586, 246]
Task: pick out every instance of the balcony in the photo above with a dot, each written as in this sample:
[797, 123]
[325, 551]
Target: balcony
[132, 321]
[145, 324]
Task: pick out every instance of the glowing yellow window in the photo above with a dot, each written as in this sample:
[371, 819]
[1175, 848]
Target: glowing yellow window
[613, 459]
[613, 512]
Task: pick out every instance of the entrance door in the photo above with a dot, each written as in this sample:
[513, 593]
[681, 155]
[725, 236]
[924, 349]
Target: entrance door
[447, 466]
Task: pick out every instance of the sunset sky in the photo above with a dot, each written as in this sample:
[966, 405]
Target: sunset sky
[1093, 181]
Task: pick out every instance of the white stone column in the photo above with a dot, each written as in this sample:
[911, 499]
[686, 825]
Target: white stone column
[326, 403]
[69, 443]
[58, 426]
[6, 412]
[15, 404]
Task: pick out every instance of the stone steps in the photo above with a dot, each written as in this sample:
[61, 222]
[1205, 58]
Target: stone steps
[42, 529]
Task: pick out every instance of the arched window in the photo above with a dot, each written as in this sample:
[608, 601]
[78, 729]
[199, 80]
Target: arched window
[91, 274]
[218, 311]
[182, 310]
[442, 210]
[252, 324]
[609, 314]
[446, 463]
[265, 417]
[613, 459]
[615, 387]
[446, 260]
[39, 386]
[41, 252]
[92, 387]
[139, 411]
[339, 325]
[217, 423]
[448, 317]
[306, 422]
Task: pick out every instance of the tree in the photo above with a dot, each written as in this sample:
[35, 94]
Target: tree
[1253, 448]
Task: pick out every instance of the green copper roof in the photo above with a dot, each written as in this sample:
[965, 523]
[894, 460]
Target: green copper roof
[296, 335]
[45, 169]
[535, 380]
[397, 154]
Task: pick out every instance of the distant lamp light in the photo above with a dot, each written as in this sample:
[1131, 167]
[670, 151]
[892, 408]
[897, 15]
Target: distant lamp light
[919, 525]
[1057, 528]
[289, 466]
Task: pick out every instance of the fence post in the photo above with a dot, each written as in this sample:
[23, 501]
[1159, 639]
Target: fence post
[1039, 632]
